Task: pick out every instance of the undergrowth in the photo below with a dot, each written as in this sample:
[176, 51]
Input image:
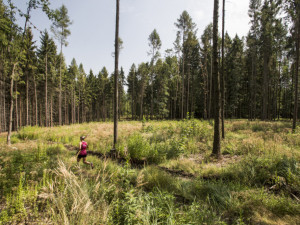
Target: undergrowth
[256, 181]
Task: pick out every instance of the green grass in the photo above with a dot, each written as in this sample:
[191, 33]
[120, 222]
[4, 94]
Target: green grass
[256, 181]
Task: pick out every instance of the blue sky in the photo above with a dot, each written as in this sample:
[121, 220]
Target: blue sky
[92, 33]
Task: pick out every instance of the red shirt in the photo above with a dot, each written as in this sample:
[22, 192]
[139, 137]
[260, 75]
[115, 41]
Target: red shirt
[83, 148]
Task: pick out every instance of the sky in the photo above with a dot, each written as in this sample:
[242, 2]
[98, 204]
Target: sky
[93, 30]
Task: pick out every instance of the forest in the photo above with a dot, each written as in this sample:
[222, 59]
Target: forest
[203, 133]
[259, 73]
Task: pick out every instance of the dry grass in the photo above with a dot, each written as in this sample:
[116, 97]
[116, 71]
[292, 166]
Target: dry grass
[253, 142]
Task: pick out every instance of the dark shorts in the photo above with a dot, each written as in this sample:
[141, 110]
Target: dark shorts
[81, 156]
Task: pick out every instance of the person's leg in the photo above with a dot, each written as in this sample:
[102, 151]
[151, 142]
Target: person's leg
[88, 163]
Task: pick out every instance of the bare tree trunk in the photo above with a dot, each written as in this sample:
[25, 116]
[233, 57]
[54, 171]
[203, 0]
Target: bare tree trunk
[205, 87]
[176, 96]
[66, 109]
[116, 75]
[46, 92]
[217, 143]
[279, 94]
[36, 103]
[40, 114]
[20, 111]
[182, 88]
[74, 106]
[293, 70]
[296, 76]
[17, 112]
[223, 74]
[4, 105]
[11, 104]
[210, 87]
[151, 113]
[51, 110]
[132, 102]
[78, 108]
[60, 96]
[104, 107]
[27, 99]
[265, 86]
[188, 90]
[193, 94]
[141, 106]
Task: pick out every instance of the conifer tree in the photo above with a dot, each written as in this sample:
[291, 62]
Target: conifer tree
[155, 45]
[184, 25]
[216, 144]
[46, 54]
[60, 29]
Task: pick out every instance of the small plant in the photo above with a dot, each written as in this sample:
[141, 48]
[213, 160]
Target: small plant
[138, 147]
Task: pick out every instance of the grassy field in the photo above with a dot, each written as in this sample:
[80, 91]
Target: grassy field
[166, 175]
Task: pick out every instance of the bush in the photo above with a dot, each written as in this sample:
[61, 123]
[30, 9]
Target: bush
[138, 147]
[54, 150]
[177, 148]
[28, 133]
[154, 177]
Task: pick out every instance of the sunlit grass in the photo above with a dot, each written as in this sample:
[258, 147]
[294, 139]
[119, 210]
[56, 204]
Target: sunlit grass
[255, 182]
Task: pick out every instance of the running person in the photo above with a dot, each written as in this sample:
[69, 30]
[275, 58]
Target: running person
[82, 152]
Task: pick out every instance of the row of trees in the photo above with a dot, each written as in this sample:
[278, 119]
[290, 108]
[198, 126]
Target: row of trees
[260, 72]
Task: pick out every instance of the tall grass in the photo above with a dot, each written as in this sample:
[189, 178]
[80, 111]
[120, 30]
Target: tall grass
[256, 182]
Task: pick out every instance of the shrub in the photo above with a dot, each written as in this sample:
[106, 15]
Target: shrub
[138, 147]
[154, 177]
[54, 150]
[177, 148]
[28, 133]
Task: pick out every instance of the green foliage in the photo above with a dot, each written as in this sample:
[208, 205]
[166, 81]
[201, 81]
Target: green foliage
[153, 177]
[199, 212]
[28, 133]
[254, 182]
[138, 147]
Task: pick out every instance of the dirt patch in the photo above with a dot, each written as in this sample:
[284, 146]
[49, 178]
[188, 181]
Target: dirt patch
[180, 173]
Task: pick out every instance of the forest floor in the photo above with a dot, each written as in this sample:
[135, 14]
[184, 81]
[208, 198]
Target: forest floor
[163, 173]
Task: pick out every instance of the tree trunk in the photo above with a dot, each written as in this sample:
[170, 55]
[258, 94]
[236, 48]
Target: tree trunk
[27, 100]
[205, 86]
[217, 143]
[4, 104]
[210, 87]
[40, 114]
[72, 105]
[60, 96]
[188, 90]
[116, 75]
[151, 113]
[46, 91]
[78, 108]
[17, 112]
[132, 101]
[296, 76]
[51, 109]
[182, 88]
[223, 74]
[292, 90]
[11, 104]
[20, 111]
[66, 109]
[265, 85]
[176, 96]
[36, 103]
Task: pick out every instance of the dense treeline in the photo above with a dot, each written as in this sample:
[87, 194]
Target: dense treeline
[260, 72]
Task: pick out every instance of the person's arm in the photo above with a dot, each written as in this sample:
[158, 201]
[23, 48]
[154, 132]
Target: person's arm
[79, 148]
